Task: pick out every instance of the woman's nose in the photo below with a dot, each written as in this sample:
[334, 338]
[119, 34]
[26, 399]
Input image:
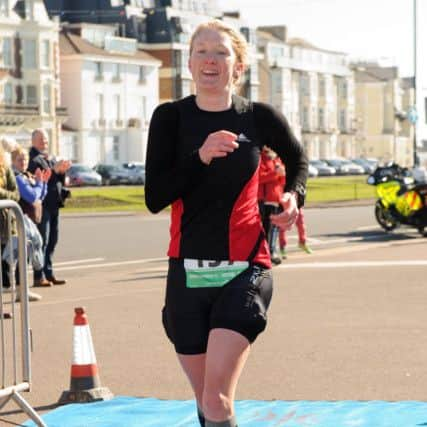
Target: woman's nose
[209, 58]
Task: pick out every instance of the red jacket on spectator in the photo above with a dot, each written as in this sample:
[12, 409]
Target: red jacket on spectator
[271, 181]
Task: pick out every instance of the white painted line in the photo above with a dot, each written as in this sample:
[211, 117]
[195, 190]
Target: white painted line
[368, 227]
[111, 264]
[79, 261]
[349, 264]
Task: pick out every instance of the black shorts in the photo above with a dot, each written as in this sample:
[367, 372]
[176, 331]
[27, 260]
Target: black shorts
[190, 313]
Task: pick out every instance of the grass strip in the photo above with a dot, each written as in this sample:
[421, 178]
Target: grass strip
[131, 198]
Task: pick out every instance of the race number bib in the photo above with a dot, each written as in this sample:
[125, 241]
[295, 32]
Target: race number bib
[210, 274]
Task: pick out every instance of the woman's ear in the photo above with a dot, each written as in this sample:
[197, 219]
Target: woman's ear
[239, 68]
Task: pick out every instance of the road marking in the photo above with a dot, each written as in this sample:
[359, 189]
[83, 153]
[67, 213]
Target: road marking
[349, 264]
[79, 261]
[96, 297]
[111, 264]
[368, 227]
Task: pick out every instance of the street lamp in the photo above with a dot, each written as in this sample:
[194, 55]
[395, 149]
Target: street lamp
[414, 120]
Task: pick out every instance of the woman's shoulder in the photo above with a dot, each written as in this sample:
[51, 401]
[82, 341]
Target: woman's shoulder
[171, 107]
[264, 108]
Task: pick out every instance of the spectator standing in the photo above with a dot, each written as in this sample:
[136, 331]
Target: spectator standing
[8, 191]
[32, 190]
[8, 144]
[54, 200]
[270, 192]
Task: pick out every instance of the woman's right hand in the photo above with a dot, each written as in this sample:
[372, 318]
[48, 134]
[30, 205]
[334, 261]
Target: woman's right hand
[218, 144]
[38, 174]
[46, 174]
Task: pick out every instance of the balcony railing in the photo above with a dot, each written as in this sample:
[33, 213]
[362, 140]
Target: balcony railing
[16, 115]
[16, 109]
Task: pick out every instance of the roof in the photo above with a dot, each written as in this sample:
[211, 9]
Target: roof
[375, 73]
[298, 42]
[72, 44]
[269, 36]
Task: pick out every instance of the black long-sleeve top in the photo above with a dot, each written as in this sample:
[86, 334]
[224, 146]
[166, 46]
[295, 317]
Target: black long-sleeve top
[215, 212]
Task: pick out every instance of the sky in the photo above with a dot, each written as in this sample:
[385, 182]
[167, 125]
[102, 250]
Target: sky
[372, 29]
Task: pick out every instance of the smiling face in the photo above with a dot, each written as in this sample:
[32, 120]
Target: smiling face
[20, 162]
[213, 62]
[40, 140]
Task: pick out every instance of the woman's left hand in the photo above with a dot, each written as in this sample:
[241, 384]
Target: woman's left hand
[286, 219]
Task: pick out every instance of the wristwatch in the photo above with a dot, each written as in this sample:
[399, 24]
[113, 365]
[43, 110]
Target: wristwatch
[299, 191]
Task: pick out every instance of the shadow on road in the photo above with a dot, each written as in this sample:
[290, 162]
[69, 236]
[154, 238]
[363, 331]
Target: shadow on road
[143, 276]
[374, 235]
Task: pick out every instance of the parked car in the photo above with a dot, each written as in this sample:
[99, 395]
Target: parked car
[323, 168]
[79, 175]
[368, 165]
[345, 167]
[112, 174]
[136, 172]
[312, 171]
[420, 174]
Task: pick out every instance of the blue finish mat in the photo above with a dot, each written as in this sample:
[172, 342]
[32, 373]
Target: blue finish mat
[148, 412]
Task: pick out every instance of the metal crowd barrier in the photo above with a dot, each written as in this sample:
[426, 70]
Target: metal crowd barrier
[14, 381]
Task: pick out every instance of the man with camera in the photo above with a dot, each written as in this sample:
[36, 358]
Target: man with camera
[55, 199]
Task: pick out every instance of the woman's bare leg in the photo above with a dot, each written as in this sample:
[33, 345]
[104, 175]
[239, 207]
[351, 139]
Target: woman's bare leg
[194, 368]
[225, 358]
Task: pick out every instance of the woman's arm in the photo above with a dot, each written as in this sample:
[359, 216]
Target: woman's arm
[28, 192]
[275, 132]
[168, 178]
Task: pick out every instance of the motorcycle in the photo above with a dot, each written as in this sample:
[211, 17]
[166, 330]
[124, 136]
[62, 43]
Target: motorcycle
[400, 200]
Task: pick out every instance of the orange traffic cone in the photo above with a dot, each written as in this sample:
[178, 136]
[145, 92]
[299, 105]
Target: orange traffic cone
[85, 385]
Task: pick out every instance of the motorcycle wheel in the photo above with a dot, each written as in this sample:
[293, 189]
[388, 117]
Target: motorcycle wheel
[384, 217]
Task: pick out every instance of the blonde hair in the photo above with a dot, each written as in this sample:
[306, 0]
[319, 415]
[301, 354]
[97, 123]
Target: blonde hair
[238, 42]
[3, 164]
[19, 151]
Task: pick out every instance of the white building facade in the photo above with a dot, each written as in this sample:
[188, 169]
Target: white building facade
[313, 88]
[29, 72]
[110, 89]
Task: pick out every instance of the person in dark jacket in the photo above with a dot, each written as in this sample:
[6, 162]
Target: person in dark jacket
[54, 200]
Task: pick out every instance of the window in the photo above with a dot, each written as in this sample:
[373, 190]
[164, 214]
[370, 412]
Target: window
[7, 52]
[31, 95]
[343, 120]
[117, 104]
[45, 53]
[4, 8]
[29, 11]
[144, 109]
[116, 72]
[186, 87]
[46, 99]
[344, 89]
[321, 118]
[100, 105]
[99, 71]
[305, 123]
[142, 74]
[322, 87]
[8, 93]
[116, 148]
[29, 57]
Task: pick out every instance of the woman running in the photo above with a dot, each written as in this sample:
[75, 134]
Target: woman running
[203, 157]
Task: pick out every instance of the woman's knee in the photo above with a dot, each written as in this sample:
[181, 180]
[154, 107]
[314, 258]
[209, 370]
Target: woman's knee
[217, 406]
